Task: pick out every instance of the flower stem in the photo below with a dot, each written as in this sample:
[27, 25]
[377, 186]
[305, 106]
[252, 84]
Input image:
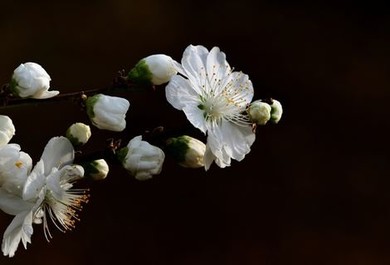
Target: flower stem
[8, 100]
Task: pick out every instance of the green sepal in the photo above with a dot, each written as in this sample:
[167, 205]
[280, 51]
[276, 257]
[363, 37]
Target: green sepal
[90, 103]
[141, 74]
[13, 87]
[122, 153]
[75, 141]
[178, 147]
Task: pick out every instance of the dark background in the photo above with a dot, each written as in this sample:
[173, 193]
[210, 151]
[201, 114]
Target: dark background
[313, 190]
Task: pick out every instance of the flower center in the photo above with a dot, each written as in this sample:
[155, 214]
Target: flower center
[64, 211]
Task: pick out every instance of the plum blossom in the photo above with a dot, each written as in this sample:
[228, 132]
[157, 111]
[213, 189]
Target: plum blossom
[214, 98]
[43, 193]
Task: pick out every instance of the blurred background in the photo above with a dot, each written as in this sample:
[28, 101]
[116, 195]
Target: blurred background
[314, 188]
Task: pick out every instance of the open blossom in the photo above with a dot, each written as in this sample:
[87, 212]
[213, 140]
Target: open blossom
[45, 192]
[7, 129]
[30, 80]
[108, 112]
[214, 99]
[155, 69]
[141, 159]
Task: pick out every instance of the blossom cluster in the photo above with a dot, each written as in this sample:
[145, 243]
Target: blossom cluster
[216, 100]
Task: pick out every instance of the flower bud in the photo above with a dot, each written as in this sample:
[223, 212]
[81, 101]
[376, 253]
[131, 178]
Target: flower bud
[259, 112]
[30, 80]
[187, 151]
[155, 69]
[141, 159]
[107, 112]
[78, 133]
[7, 129]
[97, 169]
[276, 111]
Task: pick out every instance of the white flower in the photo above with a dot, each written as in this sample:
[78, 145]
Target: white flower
[47, 192]
[259, 112]
[30, 80]
[78, 133]
[141, 159]
[97, 169]
[7, 129]
[214, 99]
[156, 69]
[14, 168]
[187, 151]
[276, 111]
[108, 112]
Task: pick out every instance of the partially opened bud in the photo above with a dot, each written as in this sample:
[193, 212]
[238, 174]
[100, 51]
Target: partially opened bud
[155, 69]
[107, 112]
[30, 80]
[259, 112]
[276, 111]
[141, 159]
[97, 169]
[7, 129]
[78, 133]
[187, 151]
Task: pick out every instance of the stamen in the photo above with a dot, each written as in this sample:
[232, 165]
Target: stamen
[64, 212]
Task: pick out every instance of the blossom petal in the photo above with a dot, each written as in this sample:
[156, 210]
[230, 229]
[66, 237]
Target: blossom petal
[194, 65]
[241, 86]
[181, 95]
[218, 70]
[13, 204]
[61, 180]
[43, 94]
[35, 182]
[15, 173]
[19, 229]
[230, 141]
[57, 153]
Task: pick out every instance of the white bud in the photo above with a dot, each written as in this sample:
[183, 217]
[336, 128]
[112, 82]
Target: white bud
[187, 151]
[259, 112]
[155, 69]
[107, 112]
[7, 129]
[276, 111]
[30, 80]
[97, 169]
[78, 133]
[141, 159]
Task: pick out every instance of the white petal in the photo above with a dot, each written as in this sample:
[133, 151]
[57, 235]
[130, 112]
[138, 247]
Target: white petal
[241, 87]
[208, 158]
[238, 138]
[16, 172]
[45, 94]
[35, 182]
[179, 93]
[230, 141]
[194, 65]
[218, 68]
[195, 116]
[19, 229]
[57, 153]
[13, 204]
[182, 96]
